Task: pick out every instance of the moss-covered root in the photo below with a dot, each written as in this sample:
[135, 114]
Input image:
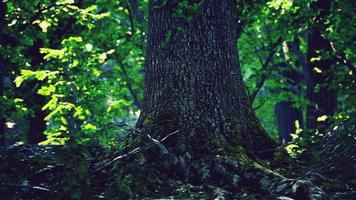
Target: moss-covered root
[264, 180]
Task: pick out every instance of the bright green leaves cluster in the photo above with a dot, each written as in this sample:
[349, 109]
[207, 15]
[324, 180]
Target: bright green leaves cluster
[38, 75]
[283, 5]
[91, 71]
[77, 92]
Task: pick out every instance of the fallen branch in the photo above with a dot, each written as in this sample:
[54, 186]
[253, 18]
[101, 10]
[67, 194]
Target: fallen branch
[137, 150]
[26, 187]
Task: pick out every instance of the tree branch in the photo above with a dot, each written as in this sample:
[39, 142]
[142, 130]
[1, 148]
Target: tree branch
[136, 150]
[136, 11]
[265, 64]
[134, 95]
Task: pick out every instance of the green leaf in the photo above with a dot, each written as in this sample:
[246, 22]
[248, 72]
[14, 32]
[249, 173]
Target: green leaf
[52, 53]
[89, 128]
[41, 75]
[52, 103]
[46, 90]
[54, 112]
[25, 75]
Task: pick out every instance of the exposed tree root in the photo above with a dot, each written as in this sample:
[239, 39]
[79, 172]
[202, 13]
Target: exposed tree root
[225, 170]
[225, 173]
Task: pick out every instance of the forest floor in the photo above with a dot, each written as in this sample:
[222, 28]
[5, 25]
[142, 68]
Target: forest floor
[61, 172]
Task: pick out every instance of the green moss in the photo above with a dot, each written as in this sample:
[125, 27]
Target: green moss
[147, 120]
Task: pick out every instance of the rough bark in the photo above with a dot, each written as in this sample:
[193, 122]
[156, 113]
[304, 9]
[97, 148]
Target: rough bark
[318, 74]
[192, 78]
[194, 87]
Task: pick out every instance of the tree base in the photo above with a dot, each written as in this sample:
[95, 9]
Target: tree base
[223, 171]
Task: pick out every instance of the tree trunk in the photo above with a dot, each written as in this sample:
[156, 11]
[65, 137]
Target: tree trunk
[318, 74]
[2, 71]
[286, 114]
[2, 118]
[193, 85]
[193, 81]
[37, 122]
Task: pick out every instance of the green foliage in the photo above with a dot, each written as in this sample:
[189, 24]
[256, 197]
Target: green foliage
[88, 65]
[89, 76]
[290, 20]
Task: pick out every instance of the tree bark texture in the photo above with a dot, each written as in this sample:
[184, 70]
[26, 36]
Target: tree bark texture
[193, 81]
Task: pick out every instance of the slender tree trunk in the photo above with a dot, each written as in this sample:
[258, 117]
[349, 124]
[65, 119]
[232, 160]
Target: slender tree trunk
[37, 122]
[2, 117]
[318, 74]
[285, 112]
[286, 116]
[194, 88]
[2, 71]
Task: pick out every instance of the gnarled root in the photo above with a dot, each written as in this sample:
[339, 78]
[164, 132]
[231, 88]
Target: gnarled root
[225, 177]
[225, 170]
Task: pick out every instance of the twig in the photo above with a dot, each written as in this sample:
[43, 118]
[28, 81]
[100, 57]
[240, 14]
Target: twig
[156, 142]
[259, 106]
[134, 151]
[134, 95]
[265, 64]
[26, 187]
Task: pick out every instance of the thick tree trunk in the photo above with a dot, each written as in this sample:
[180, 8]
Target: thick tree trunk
[318, 74]
[193, 81]
[194, 88]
